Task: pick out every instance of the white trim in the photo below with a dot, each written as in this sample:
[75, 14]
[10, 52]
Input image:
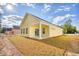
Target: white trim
[40, 31]
[49, 30]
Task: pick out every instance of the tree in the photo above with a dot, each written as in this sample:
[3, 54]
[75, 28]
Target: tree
[69, 28]
[2, 30]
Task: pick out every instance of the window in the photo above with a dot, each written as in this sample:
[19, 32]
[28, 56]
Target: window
[26, 30]
[43, 31]
[36, 32]
[23, 30]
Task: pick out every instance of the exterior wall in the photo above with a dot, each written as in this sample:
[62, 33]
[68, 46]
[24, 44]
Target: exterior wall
[16, 31]
[54, 31]
[32, 23]
[33, 20]
[26, 35]
[29, 20]
[32, 31]
[26, 24]
[46, 31]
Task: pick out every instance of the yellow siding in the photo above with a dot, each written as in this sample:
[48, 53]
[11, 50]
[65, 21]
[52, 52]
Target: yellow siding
[27, 35]
[54, 31]
[32, 30]
[46, 31]
[28, 22]
[32, 22]
[25, 22]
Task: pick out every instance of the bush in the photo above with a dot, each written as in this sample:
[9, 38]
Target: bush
[2, 30]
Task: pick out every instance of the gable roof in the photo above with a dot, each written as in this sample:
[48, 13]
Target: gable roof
[44, 20]
[38, 19]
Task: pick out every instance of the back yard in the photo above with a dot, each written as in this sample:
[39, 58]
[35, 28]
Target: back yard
[52, 46]
[67, 42]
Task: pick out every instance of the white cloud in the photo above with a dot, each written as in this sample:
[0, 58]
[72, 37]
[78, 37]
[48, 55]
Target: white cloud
[46, 8]
[57, 19]
[59, 9]
[62, 8]
[4, 4]
[61, 18]
[70, 15]
[9, 7]
[11, 20]
[67, 9]
[29, 4]
[15, 4]
[1, 11]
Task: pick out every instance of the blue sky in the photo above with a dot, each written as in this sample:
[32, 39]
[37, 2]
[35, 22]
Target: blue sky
[56, 13]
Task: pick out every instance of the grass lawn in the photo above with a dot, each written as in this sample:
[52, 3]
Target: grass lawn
[61, 41]
[32, 47]
[51, 46]
[68, 42]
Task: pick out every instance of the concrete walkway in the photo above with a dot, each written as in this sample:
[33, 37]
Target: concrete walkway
[9, 49]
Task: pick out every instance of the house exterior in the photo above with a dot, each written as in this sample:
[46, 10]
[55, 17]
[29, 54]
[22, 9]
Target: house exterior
[35, 27]
[8, 31]
[15, 30]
